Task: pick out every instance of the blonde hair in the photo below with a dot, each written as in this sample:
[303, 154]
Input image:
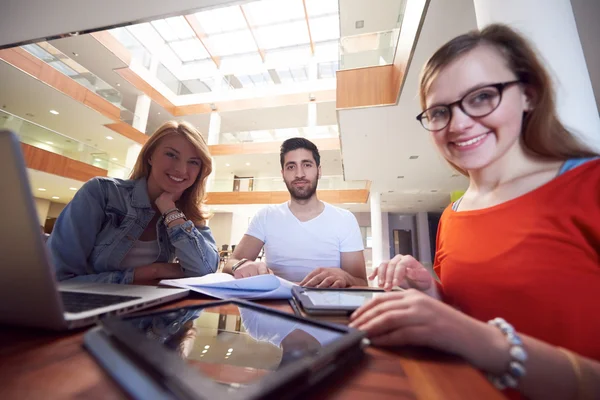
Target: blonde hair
[192, 200]
[542, 133]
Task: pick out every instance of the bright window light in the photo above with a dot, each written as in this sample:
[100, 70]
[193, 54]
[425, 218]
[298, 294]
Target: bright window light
[189, 50]
[324, 28]
[299, 74]
[283, 58]
[282, 35]
[221, 20]
[327, 51]
[231, 43]
[268, 12]
[38, 52]
[181, 27]
[165, 30]
[285, 76]
[147, 35]
[316, 8]
[242, 64]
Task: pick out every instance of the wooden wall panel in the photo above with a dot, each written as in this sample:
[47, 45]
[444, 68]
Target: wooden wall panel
[24, 61]
[21, 59]
[146, 88]
[365, 87]
[113, 45]
[123, 128]
[330, 196]
[266, 147]
[56, 164]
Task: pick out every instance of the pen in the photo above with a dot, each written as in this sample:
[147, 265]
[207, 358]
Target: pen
[295, 307]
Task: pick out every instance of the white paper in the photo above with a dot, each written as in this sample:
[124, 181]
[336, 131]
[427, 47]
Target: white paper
[225, 286]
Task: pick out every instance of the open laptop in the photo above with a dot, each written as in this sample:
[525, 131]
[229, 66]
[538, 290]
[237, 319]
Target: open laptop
[29, 293]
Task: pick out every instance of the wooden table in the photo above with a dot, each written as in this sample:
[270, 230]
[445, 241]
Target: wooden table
[37, 364]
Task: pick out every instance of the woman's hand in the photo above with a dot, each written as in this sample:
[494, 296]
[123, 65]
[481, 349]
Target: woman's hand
[166, 201]
[406, 272]
[413, 318]
[152, 274]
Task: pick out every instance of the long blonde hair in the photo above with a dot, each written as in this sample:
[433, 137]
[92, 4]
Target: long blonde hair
[542, 133]
[192, 200]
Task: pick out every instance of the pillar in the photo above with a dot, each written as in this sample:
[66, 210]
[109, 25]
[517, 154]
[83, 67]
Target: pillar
[376, 229]
[550, 26]
[142, 110]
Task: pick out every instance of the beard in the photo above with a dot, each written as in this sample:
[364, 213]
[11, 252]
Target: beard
[302, 193]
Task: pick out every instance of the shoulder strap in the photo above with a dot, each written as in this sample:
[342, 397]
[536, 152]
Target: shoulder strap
[574, 163]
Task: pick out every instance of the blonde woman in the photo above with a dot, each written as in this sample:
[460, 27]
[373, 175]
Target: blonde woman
[131, 231]
[519, 255]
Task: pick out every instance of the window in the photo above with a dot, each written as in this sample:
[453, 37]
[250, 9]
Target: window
[365, 231]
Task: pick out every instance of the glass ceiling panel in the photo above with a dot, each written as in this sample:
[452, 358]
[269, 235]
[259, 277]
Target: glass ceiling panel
[298, 55]
[231, 43]
[282, 35]
[39, 52]
[242, 63]
[221, 20]
[147, 35]
[327, 51]
[269, 12]
[189, 50]
[315, 8]
[324, 28]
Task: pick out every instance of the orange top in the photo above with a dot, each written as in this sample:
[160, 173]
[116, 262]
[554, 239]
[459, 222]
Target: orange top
[533, 260]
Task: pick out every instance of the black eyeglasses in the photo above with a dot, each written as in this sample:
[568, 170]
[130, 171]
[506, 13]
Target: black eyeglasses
[477, 103]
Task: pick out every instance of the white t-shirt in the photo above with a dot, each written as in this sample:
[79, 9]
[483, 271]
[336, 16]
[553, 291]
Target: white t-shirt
[293, 248]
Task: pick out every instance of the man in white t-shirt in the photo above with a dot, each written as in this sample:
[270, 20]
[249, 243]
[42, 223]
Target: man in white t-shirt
[306, 240]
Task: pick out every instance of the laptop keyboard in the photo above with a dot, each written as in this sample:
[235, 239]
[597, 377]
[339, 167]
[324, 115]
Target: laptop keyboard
[75, 302]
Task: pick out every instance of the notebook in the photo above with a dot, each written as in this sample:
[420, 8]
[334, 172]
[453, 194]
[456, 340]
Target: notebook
[225, 286]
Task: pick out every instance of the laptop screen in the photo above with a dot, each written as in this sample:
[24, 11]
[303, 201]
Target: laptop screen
[234, 345]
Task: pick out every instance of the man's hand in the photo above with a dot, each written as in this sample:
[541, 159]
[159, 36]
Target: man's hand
[152, 274]
[332, 277]
[251, 268]
[166, 201]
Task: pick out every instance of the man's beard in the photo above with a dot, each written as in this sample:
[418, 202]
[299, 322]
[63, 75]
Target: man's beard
[303, 193]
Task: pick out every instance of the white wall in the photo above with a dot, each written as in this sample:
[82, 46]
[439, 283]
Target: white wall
[220, 225]
[55, 209]
[423, 241]
[24, 20]
[42, 206]
[239, 226]
[587, 15]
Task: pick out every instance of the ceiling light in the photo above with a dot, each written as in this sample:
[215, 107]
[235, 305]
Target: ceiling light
[76, 54]
[72, 188]
[55, 197]
[248, 163]
[118, 84]
[115, 159]
[230, 350]
[455, 175]
[413, 157]
[158, 113]
[207, 346]
[109, 138]
[41, 189]
[204, 351]
[201, 355]
[359, 24]
[401, 177]
[433, 190]
[50, 142]
[226, 357]
[54, 112]
[227, 165]
[97, 159]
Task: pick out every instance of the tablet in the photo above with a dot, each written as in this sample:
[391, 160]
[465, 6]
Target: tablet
[223, 350]
[316, 301]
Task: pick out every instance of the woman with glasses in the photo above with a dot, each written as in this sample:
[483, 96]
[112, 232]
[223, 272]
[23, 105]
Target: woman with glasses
[518, 256]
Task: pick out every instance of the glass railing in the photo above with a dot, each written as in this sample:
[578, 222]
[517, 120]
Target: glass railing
[369, 49]
[278, 135]
[54, 142]
[67, 66]
[276, 184]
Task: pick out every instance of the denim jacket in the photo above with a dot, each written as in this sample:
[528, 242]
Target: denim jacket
[97, 228]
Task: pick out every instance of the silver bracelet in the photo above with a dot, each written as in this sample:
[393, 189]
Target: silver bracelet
[518, 355]
[174, 216]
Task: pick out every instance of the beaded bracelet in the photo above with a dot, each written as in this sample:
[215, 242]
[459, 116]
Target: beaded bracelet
[518, 355]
